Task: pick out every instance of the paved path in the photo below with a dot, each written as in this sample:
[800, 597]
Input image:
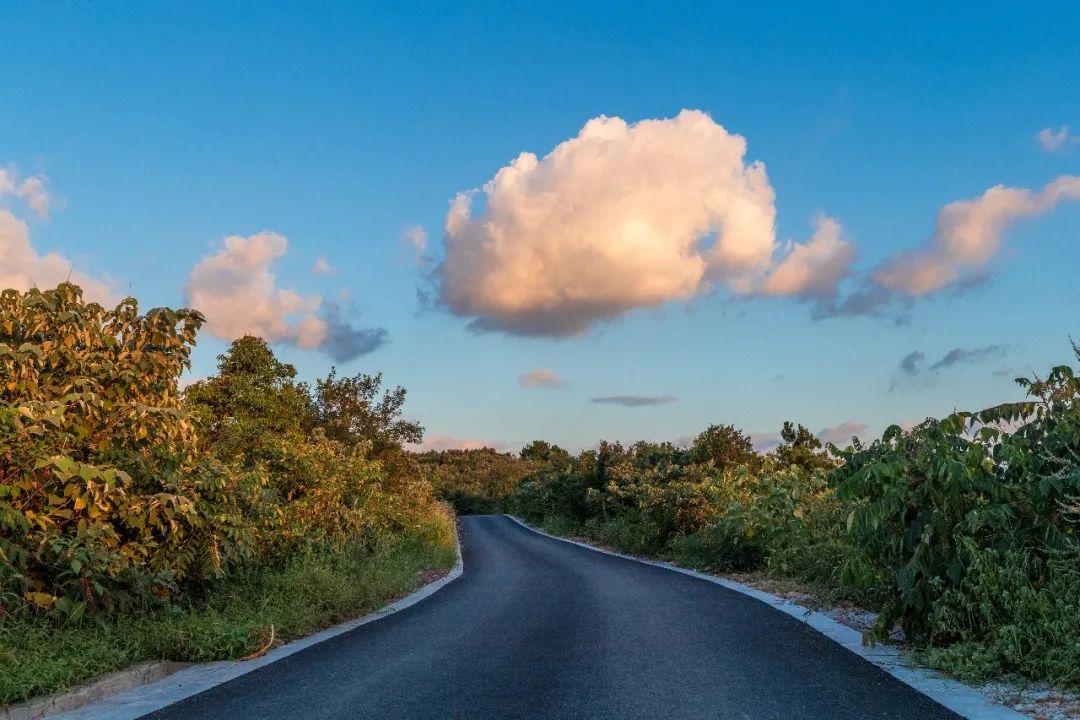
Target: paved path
[537, 628]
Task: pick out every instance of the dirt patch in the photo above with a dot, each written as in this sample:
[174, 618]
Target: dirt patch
[429, 576]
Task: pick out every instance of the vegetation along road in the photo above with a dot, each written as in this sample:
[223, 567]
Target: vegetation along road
[536, 628]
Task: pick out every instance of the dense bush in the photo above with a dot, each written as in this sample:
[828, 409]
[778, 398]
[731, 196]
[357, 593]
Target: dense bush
[117, 490]
[474, 481]
[716, 504]
[977, 531]
[99, 467]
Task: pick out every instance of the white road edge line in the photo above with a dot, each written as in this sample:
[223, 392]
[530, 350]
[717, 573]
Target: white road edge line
[964, 700]
[193, 680]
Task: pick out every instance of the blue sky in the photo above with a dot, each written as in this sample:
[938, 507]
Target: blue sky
[164, 128]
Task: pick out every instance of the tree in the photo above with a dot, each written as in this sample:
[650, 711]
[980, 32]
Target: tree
[545, 452]
[350, 411]
[802, 449]
[251, 404]
[725, 446]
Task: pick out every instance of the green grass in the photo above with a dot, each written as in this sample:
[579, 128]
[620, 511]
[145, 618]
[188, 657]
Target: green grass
[307, 594]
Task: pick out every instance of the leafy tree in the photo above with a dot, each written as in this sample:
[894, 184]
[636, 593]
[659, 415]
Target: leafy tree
[802, 449]
[251, 404]
[545, 452]
[97, 457]
[725, 446]
[351, 411]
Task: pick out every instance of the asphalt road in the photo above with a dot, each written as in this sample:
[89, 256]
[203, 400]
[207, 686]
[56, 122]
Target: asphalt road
[536, 628]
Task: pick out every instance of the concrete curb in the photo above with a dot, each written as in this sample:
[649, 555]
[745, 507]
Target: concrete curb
[93, 691]
[964, 700]
[146, 688]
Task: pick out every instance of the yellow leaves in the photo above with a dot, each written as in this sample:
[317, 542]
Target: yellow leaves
[40, 599]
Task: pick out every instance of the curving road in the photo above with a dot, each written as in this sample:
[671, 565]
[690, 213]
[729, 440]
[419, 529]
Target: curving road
[536, 628]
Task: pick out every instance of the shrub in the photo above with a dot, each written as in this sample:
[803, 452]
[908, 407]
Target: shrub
[973, 526]
[116, 490]
[98, 460]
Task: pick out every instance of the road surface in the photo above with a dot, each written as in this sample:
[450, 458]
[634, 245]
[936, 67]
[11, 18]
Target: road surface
[537, 628]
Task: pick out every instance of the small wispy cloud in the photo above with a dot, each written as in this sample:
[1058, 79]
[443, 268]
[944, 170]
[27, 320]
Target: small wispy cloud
[414, 241]
[1052, 140]
[439, 443]
[765, 441]
[840, 435]
[964, 355]
[914, 365]
[540, 377]
[968, 236]
[345, 341]
[31, 190]
[323, 267]
[415, 237]
[910, 363]
[633, 400]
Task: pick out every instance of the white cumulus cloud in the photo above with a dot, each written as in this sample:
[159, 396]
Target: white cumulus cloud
[813, 269]
[237, 291]
[22, 267]
[968, 235]
[622, 216]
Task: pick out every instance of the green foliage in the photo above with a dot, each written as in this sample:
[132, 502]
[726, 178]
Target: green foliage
[801, 449]
[1006, 621]
[783, 521]
[975, 528]
[547, 453]
[118, 492]
[250, 405]
[474, 481]
[99, 464]
[725, 446]
[694, 505]
[350, 410]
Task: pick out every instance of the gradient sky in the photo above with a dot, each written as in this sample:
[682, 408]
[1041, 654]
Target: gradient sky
[162, 128]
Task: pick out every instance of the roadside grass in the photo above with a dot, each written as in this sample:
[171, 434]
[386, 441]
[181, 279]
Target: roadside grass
[307, 593]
